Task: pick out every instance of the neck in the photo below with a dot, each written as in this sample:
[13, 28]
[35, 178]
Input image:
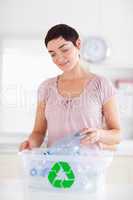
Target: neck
[76, 73]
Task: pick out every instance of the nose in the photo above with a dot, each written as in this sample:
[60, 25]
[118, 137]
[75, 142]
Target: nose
[60, 58]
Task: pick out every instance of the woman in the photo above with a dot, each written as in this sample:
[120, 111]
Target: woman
[74, 101]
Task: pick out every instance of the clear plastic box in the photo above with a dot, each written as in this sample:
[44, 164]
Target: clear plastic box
[64, 172]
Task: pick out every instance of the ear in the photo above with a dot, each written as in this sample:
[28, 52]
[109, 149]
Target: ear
[78, 43]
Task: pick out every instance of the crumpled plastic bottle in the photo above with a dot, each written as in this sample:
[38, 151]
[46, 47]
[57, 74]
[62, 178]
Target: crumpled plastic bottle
[68, 145]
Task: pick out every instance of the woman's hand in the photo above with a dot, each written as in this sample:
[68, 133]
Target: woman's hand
[35, 140]
[91, 136]
[105, 139]
[25, 145]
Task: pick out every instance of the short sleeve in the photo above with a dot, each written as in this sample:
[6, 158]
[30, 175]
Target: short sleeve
[42, 92]
[107, 90]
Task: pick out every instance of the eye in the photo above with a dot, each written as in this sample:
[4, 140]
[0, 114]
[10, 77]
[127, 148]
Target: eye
[65, 50]
[53, 55]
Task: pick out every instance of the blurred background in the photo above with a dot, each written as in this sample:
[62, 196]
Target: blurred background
[25, 63]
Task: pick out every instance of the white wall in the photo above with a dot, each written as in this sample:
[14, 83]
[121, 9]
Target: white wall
[25, 65]
[112, 19]
[34, 17]
[24, 23]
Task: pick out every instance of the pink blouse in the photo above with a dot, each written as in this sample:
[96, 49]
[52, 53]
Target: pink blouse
[67, 115]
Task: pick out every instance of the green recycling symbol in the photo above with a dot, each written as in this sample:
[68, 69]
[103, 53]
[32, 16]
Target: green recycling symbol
[59, 183]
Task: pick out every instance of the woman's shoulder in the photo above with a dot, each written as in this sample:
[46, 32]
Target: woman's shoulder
[100, 78]
[104, 81]
[44, 88]
[47, 82]
[99, 82]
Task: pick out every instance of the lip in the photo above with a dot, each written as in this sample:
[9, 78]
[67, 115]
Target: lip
[63, 64]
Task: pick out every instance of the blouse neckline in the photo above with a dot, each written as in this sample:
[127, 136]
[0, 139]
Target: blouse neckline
[87, 84]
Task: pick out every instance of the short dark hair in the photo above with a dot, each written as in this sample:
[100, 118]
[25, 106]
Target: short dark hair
[62, 30]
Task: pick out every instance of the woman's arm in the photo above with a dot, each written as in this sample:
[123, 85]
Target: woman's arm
[40, 127]
[110, 137]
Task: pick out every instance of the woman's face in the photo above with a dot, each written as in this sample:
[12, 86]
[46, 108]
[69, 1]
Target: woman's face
[64, 54]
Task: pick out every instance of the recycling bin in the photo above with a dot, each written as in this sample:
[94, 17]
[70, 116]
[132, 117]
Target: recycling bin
[64, 172]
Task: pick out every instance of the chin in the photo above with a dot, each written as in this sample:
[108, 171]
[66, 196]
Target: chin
[68, 69]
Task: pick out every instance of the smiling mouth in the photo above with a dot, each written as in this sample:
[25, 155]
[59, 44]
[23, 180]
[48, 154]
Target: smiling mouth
[64, 64]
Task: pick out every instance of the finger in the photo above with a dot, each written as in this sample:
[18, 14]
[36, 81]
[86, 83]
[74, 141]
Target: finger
[85, 141]
[92, 129]
[85, 130]
[90, 140]
[94, 137]
[89, 136]
[24, 145]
